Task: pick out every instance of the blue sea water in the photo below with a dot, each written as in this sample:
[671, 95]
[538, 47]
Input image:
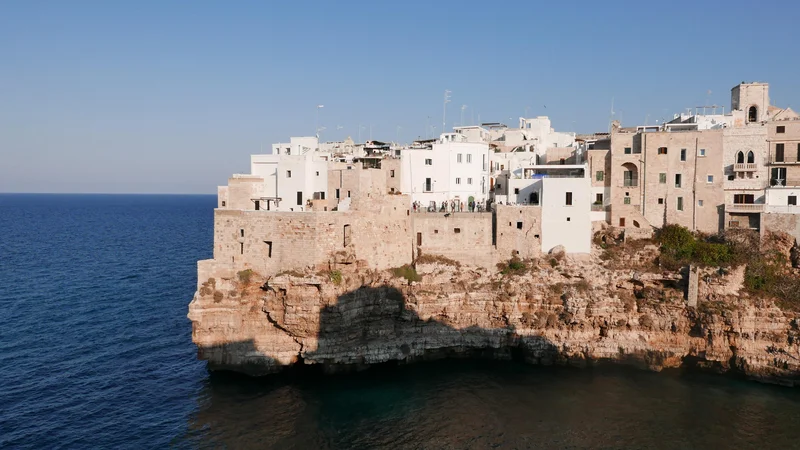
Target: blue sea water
[96, 352]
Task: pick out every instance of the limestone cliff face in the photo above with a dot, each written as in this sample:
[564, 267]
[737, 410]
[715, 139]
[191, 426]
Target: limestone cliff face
[567, 312]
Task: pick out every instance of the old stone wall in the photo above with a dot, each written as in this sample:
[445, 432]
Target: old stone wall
[464, 237]
[242, 190]
[269, 242]
[519, 231]
[777, 222]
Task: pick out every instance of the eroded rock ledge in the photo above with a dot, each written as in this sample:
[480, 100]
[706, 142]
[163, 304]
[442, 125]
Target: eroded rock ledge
[573, 312]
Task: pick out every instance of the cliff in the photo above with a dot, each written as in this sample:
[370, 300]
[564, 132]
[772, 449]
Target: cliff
[550, 311]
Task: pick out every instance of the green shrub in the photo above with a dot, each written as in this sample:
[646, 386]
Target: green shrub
[437, 259]
[679, 247]
[407, 272]
[513, 266]
[244, 276]
[336, 277]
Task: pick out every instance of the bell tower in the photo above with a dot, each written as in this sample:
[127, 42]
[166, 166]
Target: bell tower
[753, 99]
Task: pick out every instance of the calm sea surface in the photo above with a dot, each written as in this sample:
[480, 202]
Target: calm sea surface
[96, 352]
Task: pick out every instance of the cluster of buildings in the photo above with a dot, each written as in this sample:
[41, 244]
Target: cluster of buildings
[481, 194]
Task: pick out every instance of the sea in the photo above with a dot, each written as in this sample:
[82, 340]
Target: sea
[96, 352]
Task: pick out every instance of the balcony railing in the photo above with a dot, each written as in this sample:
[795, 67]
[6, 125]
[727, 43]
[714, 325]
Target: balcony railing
[744, 207]
[778, 182]
[787, 159]
[598, 207]
[744, 167]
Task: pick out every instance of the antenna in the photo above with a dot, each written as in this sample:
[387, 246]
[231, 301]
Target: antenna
[463, 107]
[444, 107]
[611, 116]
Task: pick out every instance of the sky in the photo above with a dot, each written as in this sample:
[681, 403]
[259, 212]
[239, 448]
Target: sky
[173, 97]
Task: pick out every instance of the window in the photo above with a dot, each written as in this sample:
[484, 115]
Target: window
[778, 152]
[780, 129]
[428, 185]
[456, 230]
[469, 157]
[269, 248]
[288, 174]
[683, 154]
[258, 205]
[626, 200]
[629, 178]
[752, 114]
[702, 152]
[469, 180]
[628, 150]
[744, 199]
[458, 180]
[662, 150]
[499, 186]
[622, 221]
[709, 178]
[569, 199]
[677, 180]
[317, 173]
[428, 162]
[600, 175]
[798, 152]
[299, 198]
[680, 204]
[792, 200]
[598, 198]
[516, 190]
[348, 194]
[347, 235]
[337, 193]
[751, 158]
[419, 239]
[458, 157]
[534, 198]
[391, 173]
[699, 203]
[740, 158]
[662, 178]
[223, 203]
[241, 232]
[568, 219]
[484, 161]
[778, 176]
[519, 225]
[660, 201]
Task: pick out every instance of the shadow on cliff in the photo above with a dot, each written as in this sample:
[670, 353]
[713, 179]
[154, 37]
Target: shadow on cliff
[376, 325]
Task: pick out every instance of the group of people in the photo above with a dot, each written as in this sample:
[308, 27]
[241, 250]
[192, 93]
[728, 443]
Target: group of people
[449, 207]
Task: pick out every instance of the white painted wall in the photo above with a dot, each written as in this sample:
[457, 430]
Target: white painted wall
[445, 171]
[777, 200]
[574, 234]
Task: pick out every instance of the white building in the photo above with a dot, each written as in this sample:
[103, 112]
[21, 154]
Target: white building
[564, 194]
[451, 169]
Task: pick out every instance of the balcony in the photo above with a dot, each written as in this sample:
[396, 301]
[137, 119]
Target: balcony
[778, 182]
[599, 207]
[745, 167]
[630, 182]
[745, 207]
[786, 159]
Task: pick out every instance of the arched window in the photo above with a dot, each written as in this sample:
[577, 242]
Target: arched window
[533, 199]
[752, 114]
[630, 175]
[740, 158]
[751, 158]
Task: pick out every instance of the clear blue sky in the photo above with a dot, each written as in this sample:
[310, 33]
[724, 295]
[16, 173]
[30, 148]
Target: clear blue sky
[172, 97]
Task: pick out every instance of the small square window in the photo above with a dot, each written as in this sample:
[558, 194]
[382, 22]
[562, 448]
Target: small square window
[599, 175]
[288, 174]
[519, 225]
[627, 150]
[662, 150]
[428, 162]
[456, 230]
[780, 129]
[516, 190]
[568, 219]
[626, 200]
[662, 178]
[660, 201]
[317, 173]
[469, 180]
[792, 200]
[710, 179]
[435, 231]
[391, 173]
[702, 152]
[536, 236]
[699, 203]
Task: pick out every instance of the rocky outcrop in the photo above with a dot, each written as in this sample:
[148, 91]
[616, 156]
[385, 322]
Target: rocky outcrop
[576, 312]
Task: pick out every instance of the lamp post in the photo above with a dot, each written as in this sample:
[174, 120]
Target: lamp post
[316, 124]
